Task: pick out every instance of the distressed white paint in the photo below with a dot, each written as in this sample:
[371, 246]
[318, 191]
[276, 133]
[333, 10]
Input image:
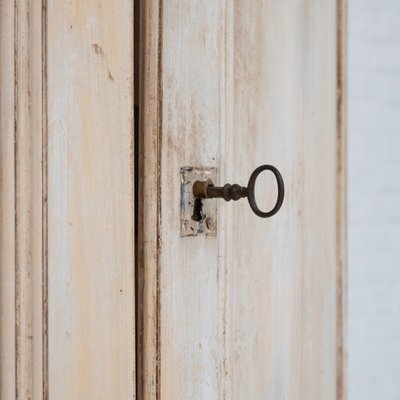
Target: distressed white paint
[248, 313]
[252, 312]
[374, 198]
[67, 200]
[90, 200]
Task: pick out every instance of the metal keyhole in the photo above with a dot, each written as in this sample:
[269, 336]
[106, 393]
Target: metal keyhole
[198, 214]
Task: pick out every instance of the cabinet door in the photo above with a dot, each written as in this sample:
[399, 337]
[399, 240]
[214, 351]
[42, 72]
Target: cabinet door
[255, 311]
[67, 200]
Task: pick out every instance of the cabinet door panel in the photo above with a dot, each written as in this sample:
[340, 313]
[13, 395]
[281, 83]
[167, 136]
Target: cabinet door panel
[255, 311]
[67, 200]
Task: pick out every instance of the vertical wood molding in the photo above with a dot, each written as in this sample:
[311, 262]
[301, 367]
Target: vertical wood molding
[22, 224]
[341, 202]
[149, 201]
[7, 203]
[28, 199]
[45, 281]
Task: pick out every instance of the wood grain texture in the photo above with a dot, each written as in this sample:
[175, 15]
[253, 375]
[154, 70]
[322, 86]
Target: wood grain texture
[281, 297]
[192, 67]
[7, 203]
[150, 120]
[28, 200]
[251, 313]
[67, 201]
[165, 108]
[90, 200]
[22, 325]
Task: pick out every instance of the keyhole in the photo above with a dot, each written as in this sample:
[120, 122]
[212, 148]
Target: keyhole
[198, 214]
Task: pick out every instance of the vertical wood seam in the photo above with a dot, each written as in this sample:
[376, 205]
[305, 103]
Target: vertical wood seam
[132, 159]
[16, 277]
[45, 348]
[226, 220]
[159, 192]
[341, 200]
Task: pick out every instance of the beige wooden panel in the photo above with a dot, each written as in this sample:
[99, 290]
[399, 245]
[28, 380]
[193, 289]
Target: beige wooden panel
[66, 104]
[252, 312]
[182, 43]
[190, 297]
[281, 273]
[90, 200]
[66, 202]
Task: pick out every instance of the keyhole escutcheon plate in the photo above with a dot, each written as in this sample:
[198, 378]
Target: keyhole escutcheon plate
[200, 218]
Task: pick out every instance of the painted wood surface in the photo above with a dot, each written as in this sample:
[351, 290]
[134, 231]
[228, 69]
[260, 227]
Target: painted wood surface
[67, 200]
[7, 203]
[281, 281]
[22, 267]
[90, 200]
[341, 202]
[254, 312]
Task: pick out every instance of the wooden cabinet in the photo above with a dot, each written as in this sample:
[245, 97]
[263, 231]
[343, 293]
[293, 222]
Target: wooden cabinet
[254, 311]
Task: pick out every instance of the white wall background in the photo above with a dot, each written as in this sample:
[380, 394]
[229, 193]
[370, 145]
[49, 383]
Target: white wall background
[374, 199]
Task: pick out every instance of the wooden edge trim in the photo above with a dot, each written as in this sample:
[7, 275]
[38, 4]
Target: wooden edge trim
[23, 250]
[341, 213]
[7, 201]
[45, 319]
[149, 192]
